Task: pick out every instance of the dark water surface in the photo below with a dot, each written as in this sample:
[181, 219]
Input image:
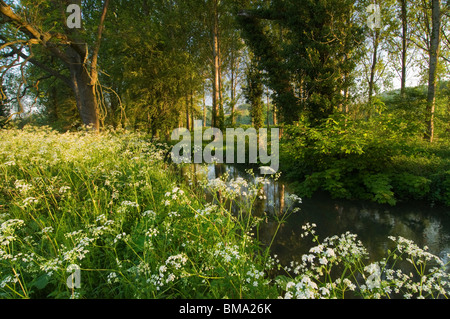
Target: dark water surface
[373, 223]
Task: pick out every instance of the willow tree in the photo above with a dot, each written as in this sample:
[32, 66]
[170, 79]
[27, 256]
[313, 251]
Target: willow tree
[38, 29]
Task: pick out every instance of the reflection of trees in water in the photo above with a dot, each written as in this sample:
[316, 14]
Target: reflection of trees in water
[372, 223]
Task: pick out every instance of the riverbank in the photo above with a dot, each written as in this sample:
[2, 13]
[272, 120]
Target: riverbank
[380, 160]
[101, 216]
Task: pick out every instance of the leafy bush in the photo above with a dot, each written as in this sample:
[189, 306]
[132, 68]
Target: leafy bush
[379, 159]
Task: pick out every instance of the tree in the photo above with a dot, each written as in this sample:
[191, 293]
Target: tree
[253, 92]
[75, 48]
[216, 64]
[404, 18]
[433, 66]
[3, 111]
[306, 63]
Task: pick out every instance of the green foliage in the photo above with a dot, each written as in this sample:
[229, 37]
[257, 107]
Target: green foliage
[253, 93]
[378, 159]
[304, 45]
[109, 203]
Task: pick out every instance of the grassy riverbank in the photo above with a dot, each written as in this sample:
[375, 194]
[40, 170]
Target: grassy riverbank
[108, 204]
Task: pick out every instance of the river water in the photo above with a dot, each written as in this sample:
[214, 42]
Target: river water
[373, 223]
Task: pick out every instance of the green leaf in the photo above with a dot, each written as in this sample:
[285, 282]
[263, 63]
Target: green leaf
[41, 282]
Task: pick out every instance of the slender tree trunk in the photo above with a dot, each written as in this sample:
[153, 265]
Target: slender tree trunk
[404, 46]
[192, 109]
[233, 92]
[216, 67]
[188, 125]
[434, 56]
[204, 108]
[376, 42]
[274, 110]
[268, 107]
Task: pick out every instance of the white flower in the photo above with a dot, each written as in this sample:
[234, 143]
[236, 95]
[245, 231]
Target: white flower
[46, 230]
[323, 261]
[129, 203]
[29, 201]
[162, 269]
[64, 189]
[316, 250]
[309, 258]
[324, 291]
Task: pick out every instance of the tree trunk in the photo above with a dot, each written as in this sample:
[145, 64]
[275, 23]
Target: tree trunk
[376, 42]
[274, 110]
[216, 67]
[204, 108]
[404, 46]
[72, 50]
[432, 75]
[84, 93]
[188, 125]
[233, 92]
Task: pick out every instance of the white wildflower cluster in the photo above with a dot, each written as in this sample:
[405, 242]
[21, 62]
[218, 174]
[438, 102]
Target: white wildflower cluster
[64, 189]
[152, 232]
[237, 187]
[380, 279]
[79, 251]
[308, 229]
[127, 203]
[217, 184]
[292, 199]
[431, 278]
[121, 236]
[9, 163]
[227, 252]
[303, 288]
[29, 201]
[173, 214]
[177, 195]
[9, 280]
[81, 239]
[51, 265]
[8, 229]
[149, 214]
[254, 276]
[47, 230]
[102, 225]
[22, 186]
[112, 278]
[169, 271]
[206, 211]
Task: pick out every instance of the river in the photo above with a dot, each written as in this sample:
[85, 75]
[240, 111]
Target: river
[372, 223]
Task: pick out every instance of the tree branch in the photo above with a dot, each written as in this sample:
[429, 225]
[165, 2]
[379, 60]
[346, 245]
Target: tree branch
[94, 73]
[37, 63]
[31, 32]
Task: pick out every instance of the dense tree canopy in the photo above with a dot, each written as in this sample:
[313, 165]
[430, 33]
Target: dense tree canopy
[154, 65]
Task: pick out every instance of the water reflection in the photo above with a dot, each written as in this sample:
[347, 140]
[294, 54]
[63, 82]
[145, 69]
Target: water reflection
[371, 222]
